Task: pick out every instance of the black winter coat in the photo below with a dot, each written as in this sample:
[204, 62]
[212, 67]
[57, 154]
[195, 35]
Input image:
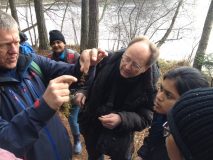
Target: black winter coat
[110, 93]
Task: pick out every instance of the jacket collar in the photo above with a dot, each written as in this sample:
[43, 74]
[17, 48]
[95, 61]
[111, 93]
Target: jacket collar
[16, 75]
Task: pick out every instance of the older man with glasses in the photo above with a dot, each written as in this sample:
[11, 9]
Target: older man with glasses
[120, 100]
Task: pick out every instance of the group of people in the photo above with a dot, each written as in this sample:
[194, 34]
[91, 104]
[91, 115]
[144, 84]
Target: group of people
[115, 93]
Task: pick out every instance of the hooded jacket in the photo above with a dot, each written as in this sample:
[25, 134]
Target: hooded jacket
[28, 127]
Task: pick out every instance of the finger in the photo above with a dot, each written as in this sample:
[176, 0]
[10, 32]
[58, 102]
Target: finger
[62, 92]
[102, 54]
[107, 126]
[107, 116]
[83, 100]
[64, 99]
[64, 79]
[85, 61]
[58, 86]
[105, 120]
[94, 54]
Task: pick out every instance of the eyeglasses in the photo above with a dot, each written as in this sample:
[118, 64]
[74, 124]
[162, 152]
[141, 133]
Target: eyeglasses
[166, 130]
[134, 66]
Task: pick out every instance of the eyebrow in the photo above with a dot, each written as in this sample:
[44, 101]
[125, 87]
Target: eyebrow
[134, 60]
[166, 91]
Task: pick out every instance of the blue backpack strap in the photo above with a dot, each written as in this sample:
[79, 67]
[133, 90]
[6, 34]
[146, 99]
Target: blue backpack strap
[40, 76]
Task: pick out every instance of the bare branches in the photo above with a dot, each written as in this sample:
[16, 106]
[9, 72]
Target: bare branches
[163, 39]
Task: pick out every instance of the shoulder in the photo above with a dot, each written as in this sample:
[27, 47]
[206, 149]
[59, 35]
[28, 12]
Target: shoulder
[114, 55]
[71, 51]
[50, 55]
[155, 71]
[71, 56]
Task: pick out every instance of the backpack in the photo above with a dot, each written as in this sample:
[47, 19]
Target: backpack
[35, 67]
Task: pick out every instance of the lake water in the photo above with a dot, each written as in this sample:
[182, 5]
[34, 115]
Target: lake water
[171, 50]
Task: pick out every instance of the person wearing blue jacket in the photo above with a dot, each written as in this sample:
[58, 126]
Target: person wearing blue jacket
[60, 52]
[25, 47]
[32, 89]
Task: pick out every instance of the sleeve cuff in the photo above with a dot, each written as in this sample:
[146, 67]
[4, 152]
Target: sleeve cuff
[43, 110]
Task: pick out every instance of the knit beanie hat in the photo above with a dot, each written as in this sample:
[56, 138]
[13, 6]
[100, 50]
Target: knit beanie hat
[56, 35]
[191, 124]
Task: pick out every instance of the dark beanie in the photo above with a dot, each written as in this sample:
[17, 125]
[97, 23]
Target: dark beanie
[191, 124]
[56, 35]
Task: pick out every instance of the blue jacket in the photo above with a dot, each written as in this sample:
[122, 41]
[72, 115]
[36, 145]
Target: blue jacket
[26, 48]
[28, 127]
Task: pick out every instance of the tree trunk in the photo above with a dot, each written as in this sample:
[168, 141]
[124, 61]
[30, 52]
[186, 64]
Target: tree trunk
[166, 35]
[13, 10]
[65, 12]
[42, 31]
[93, 24]
[199, 56]
[75, 33]
[84, 24]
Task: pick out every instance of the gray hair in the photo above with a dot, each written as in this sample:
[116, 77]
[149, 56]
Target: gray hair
[7, 22]
[152, 47]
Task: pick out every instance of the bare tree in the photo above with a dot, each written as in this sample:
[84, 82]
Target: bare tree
[84, 24]
[33, 26]
[199, 57]
[27, 16]
[62, 23]
[13, 10]
[42, 31]
[153, 18]
[75, 33]
[106, 3]
[93, 24]
[166, 35]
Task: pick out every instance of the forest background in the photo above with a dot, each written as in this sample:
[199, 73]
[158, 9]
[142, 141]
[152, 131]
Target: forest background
[175, 26]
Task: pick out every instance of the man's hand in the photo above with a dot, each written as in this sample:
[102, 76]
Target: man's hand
[91, 57]
[58, 91]
[110, 121]
[138, 158]
[79, 99]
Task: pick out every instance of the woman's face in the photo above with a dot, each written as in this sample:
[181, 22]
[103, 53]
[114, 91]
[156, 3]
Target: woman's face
[58, 46]
[172, 149]
[166, 97]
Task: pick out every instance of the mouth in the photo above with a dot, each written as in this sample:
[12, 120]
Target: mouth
[126, 72]
[156, 106]
[12, 59]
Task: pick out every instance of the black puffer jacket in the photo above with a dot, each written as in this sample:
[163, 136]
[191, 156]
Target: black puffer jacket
[131, 98]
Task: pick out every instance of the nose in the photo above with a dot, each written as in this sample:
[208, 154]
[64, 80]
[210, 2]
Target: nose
[160, 96]
[13, 48]
[128, 66]
[55, 44]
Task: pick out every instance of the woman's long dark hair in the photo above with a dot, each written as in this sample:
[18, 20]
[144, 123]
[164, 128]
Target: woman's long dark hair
[186, 78]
